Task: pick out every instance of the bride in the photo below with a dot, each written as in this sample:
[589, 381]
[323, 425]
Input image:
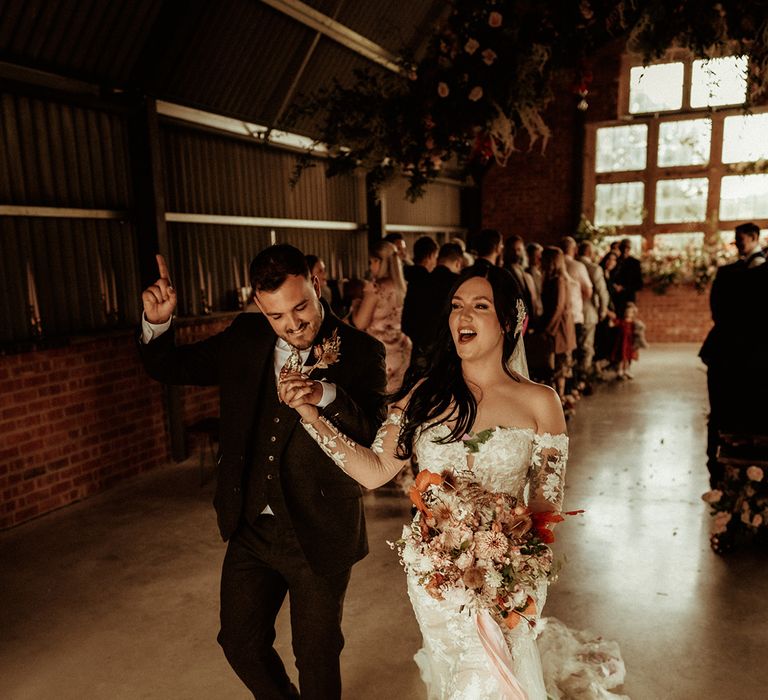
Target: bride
[468, 416]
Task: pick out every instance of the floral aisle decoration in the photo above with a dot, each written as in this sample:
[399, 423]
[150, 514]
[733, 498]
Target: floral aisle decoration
[694, 265]
[486, 544]
[739, 506]
[485, 79]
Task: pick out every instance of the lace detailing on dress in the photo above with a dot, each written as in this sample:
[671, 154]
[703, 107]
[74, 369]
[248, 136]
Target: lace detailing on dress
[335, 444]
[548, 457]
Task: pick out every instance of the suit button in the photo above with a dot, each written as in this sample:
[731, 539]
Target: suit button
[273, 439]
[271, 458]
[276, 419]
[236, 490]
[269, 476]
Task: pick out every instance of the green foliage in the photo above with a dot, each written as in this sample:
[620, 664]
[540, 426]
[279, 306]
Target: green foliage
[486, 78]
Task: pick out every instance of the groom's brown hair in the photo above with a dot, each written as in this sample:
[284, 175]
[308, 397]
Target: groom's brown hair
[272, 265]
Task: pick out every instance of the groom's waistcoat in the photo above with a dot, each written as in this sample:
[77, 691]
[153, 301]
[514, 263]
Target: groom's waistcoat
[273, 427]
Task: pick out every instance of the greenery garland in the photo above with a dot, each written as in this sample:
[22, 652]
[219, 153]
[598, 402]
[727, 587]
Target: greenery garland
[486, 77]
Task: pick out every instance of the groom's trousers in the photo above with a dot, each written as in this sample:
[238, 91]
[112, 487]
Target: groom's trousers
[264, 561]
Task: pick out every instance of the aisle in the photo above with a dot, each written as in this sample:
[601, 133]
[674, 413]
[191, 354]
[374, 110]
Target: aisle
[116, 598]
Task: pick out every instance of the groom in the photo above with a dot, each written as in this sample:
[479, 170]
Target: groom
[293, 519]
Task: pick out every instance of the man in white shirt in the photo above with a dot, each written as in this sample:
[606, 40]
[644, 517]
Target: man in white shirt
[581, 291]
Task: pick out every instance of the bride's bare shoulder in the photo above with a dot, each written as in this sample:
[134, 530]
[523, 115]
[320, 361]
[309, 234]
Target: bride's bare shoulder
[544, 403]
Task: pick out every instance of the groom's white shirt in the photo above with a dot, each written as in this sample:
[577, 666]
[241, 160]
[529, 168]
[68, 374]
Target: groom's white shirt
[151, 331]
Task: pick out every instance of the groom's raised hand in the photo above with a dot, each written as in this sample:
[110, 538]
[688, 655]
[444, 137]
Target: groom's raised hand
[299, 392]
[159, 298]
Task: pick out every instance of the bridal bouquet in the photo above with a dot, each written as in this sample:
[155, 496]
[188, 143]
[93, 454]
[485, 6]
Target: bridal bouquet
[488, 544]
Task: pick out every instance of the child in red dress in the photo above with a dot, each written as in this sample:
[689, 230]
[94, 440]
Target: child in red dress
[629, 339]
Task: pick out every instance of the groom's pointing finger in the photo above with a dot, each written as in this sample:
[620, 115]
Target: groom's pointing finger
[162, 267]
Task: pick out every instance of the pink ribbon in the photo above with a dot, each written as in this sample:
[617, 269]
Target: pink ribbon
[492, 639]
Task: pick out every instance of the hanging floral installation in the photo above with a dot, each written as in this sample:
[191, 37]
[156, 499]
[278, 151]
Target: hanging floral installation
[486, 78]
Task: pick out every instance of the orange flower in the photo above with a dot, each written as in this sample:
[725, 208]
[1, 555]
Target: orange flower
[424, 480]
[513, 619]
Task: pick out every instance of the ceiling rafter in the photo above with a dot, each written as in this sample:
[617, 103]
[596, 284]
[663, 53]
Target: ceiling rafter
[340, 33]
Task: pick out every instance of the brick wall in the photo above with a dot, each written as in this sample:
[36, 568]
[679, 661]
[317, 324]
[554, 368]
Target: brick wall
[680, 315]
[76, 419]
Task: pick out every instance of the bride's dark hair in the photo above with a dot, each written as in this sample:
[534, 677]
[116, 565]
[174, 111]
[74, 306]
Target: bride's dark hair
[441, 395]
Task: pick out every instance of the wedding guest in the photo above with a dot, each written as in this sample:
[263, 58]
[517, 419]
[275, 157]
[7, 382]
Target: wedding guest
[401, 247]
[533, 251]
[557, 317]
[630, 338]
[425, 300]
[294, 522]
[628, 279]
[424, 259]
[488, 246]
[580, 287]
[317, 269]
[352, 296]
[595, 307]
[467, 258]
[515, 262]
[380, 311]
[736, 341]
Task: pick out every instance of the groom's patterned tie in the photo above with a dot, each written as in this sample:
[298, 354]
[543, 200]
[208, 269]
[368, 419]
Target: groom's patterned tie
[293, 363]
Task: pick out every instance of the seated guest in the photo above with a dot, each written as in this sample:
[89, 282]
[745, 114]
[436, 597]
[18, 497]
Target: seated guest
[424, 260]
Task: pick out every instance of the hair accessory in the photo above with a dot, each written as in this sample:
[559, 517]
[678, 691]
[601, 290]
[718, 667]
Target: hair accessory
[522, 317]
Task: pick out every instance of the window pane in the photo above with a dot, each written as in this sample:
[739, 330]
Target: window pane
[681, 200]
[678, 241]
[684, 142]
[619, 204]
[745, 138]
[657, 88]
[744, 197]
[621, 148]
[719, 81]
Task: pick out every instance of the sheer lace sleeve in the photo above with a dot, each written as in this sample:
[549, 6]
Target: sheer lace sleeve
[370, 467]
[547, 473]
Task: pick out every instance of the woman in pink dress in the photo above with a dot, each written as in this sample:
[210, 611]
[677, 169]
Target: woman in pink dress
[381, 310]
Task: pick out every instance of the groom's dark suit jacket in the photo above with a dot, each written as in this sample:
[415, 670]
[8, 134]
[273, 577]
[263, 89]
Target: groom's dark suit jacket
[265, 455]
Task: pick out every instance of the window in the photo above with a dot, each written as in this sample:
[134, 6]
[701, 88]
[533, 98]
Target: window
[621, 148]
[719, 81]
[684, 142]
[682, 159]
[656, 88]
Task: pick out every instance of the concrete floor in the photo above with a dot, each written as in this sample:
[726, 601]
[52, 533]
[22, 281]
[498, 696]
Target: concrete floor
[117, 597]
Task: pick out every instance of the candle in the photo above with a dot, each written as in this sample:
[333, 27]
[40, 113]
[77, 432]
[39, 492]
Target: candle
[103, 286]
[200, 273]
[272, 237]
[32, 294]
[237, 273]
[113, 300]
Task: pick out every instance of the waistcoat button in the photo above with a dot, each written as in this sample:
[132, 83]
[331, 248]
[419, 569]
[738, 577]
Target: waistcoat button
[271, 458]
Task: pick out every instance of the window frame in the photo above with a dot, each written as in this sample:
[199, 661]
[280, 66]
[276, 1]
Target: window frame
[714, 170]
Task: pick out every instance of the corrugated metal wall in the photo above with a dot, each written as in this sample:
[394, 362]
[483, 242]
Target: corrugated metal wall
[55, 154]
[58, 155]
[210, 174]
[440, 205]
[209, 258]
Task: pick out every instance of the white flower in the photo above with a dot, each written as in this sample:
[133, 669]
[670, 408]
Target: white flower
[491, 545]
[465, 560]
[493, 578]
[754, 473]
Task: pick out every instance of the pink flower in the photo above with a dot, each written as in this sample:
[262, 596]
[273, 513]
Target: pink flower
[754, 473]
[489, 56]
[720, 523]
[476, 93]
[443, 90]
[712, 496]
[494, 19]
[471, 46]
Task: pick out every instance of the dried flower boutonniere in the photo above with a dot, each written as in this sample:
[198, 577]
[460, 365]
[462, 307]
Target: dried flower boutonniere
[327, 353]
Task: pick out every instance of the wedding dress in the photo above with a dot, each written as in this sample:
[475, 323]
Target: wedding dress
[454, 662]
